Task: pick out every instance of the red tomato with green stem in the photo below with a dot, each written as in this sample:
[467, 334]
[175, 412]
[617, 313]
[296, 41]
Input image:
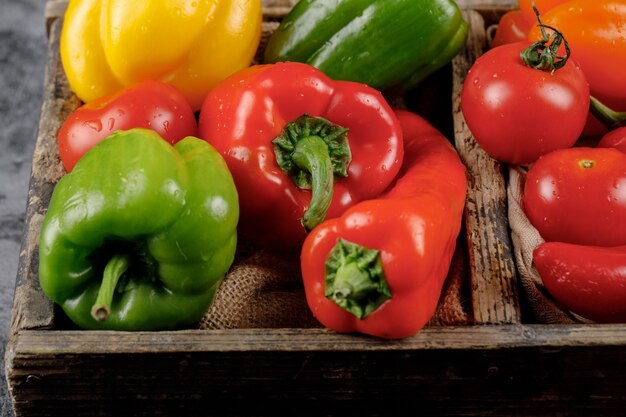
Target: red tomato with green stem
[578, 195]
[149, 104]
[517, 96]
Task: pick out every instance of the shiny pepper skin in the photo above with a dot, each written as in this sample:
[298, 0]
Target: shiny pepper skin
[107, 45]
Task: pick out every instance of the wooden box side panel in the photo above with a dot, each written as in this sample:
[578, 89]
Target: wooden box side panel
[31, 308]
[507, 370]
[493, 275]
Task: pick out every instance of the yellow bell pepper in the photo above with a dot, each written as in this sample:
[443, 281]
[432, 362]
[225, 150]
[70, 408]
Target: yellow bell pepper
[191, 44]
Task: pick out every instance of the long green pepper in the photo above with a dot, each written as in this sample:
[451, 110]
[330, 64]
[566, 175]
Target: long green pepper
[139, 235]
[389, 45]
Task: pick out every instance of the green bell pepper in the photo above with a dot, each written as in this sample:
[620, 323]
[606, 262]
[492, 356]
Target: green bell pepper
[385, 44]
[139, 235]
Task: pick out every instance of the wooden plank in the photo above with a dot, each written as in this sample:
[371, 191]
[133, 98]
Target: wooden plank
[507, 370]
[277, 9]
[271, 8]
[488, 4]
[44, 343]
[493, 277]
[31, 309]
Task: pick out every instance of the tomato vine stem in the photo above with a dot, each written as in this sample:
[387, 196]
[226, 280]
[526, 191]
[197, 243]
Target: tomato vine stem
[543, 54]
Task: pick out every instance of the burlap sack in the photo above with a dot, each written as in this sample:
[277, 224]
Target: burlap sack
[525, 239]
[264, 290]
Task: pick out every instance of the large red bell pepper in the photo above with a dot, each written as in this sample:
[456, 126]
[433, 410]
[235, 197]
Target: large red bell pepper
[379, 268]
[300, 146]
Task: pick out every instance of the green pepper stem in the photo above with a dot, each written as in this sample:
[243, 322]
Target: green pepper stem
[311, 154]
[313, 151]
[354, 278]
[114, 269]
[610, 118]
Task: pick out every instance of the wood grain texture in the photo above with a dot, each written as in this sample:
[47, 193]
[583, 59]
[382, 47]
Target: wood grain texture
[31, 309]
[508, 370]
[33, 343]
[493, 276]
[279, 8]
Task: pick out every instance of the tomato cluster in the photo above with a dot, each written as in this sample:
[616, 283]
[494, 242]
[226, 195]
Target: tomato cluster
[523, 109]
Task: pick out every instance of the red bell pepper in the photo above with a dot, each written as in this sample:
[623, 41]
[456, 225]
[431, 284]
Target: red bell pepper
[588, 280]
[379, 268]
[150, 104]
[300, 146]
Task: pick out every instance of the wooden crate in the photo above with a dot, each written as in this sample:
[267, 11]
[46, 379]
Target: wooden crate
[500, 365]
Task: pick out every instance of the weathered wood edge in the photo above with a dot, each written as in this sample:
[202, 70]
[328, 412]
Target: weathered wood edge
[493, 275]
[270, 373]
[278, 8]
[31, 309]
[43, 343]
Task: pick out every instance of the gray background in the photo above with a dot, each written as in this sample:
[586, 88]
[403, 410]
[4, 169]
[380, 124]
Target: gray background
[22, 60]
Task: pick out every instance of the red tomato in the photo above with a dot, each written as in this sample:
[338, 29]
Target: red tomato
[616, 138]
[578, 195]
[515, 112]
[150, 104]
[512, 27]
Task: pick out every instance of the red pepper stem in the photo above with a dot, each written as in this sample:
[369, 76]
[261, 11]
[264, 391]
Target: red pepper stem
[313, 151]
[311, 155]
[354, 278]
[607, 116]
[113, 270]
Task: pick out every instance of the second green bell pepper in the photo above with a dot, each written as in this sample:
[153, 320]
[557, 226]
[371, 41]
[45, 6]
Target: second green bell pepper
[388, 45]
[139, 235]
